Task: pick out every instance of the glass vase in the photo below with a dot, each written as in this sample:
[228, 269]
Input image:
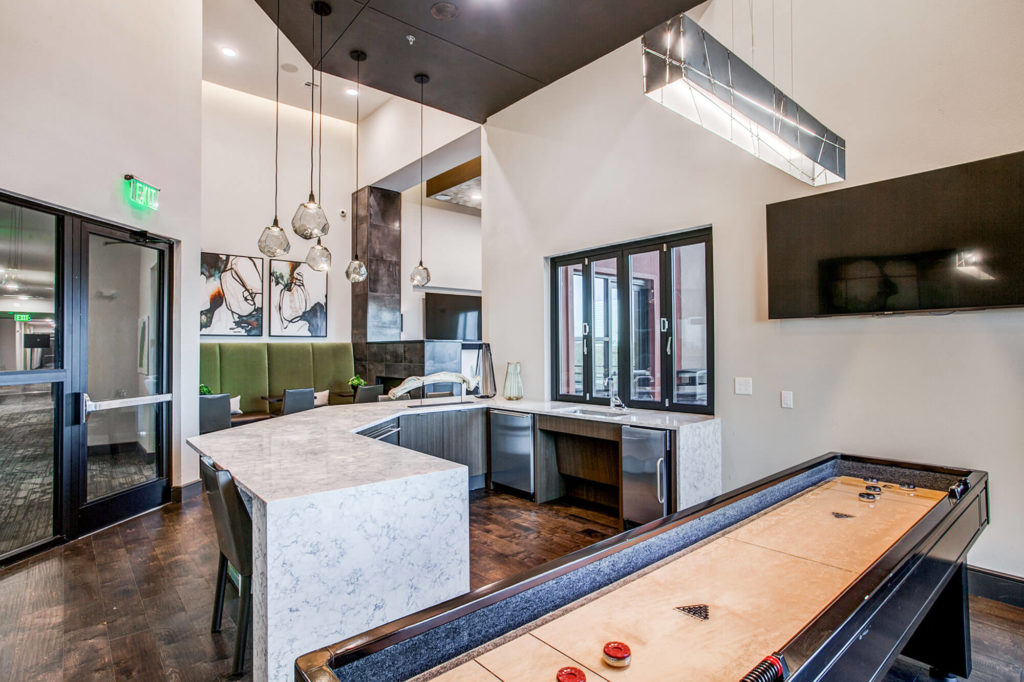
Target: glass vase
[513, 382]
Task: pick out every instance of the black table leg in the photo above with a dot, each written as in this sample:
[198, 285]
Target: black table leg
[943, 639]
[218, 598]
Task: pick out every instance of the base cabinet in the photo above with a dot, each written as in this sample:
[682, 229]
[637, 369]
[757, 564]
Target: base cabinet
[465, 439]
[458, 436]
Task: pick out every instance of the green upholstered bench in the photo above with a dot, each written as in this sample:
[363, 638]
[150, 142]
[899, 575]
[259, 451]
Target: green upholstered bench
[254, 370]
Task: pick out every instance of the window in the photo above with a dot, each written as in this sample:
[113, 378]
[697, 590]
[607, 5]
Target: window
[636, 321]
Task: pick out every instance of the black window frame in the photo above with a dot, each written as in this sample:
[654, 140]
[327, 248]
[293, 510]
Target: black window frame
[621, 252]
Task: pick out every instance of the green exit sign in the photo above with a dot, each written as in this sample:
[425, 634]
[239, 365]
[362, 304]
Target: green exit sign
[142, 194]
[22, 317]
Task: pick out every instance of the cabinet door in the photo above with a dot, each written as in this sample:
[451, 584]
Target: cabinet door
[465, 439]
[423, 433]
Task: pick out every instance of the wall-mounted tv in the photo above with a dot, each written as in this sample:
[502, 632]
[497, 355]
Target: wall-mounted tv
[949, 239]
[452, 317]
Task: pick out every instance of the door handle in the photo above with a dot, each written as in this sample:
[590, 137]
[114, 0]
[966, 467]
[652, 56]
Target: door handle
[664, 324]
[87, 406]
[586, 329]
[668, 346]
[658, 481]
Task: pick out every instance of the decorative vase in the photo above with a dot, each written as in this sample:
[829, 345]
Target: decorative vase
[513, 382]
[485, 371]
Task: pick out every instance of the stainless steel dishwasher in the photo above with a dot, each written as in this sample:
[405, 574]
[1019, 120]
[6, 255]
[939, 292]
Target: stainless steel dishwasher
[512, 450]
[645, 475]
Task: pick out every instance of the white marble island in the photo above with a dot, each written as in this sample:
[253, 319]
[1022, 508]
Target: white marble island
[351, 532]
[348, 532]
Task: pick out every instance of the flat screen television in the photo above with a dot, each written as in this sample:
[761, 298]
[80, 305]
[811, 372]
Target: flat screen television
[452, 317]
[948, 239]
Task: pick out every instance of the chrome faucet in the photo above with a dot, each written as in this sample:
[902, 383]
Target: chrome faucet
[611, 385]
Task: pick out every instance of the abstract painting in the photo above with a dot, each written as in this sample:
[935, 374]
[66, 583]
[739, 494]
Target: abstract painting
[233, 286]
[298, 300]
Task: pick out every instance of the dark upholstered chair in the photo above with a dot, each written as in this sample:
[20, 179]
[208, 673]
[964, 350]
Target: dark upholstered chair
[234, 537]
[441, 394]
[369, 393]
[297, 400]
[387, 399]
[214, 412]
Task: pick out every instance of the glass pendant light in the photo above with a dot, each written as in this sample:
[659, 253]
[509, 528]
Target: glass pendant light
[319, 258]
[310, 221]
[356, 270]
[420, 275]
[273, 241]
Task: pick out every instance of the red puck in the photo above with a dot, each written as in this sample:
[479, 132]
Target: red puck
[616, 654]
[570, 674]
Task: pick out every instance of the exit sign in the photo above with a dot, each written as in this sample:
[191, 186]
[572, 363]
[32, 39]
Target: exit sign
[22, 317]
[142, 194]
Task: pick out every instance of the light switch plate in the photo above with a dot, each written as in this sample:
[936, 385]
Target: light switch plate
[744, 386]
[787, 399]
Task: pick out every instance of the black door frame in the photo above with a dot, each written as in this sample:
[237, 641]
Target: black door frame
[71, 347]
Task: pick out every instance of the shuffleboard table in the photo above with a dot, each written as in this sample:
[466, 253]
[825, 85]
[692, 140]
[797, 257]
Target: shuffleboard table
[826, 571]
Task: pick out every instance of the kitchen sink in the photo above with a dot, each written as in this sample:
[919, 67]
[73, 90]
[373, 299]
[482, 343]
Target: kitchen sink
[594, 413]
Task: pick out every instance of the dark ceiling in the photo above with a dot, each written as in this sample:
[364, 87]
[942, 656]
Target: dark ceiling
[491, 54]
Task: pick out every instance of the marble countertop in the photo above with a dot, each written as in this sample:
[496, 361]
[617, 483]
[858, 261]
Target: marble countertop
[318, 450]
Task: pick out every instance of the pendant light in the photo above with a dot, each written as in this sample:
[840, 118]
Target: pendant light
[319, 257]
[310, 221]
[356, 270]
[273, 241]
[420, 276]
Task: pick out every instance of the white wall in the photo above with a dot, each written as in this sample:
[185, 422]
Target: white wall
[451, 251]
[589, 160]
[96, 90]
[389, 138]
[238, 191]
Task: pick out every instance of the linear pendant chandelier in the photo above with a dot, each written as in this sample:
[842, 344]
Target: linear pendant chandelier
[691, 73]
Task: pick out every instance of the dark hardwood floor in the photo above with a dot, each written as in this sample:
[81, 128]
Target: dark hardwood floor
[133, 602]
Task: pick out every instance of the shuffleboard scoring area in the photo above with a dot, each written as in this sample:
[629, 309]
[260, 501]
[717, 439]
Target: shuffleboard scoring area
[758, 584]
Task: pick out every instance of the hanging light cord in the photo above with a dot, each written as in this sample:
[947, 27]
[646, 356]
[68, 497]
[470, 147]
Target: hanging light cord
[355, 255]
[422, 189]
[320, 136]
[277, 104]
[312, 107]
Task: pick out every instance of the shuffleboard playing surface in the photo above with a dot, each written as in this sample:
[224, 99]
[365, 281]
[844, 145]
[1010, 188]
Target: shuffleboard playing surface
[761, 583]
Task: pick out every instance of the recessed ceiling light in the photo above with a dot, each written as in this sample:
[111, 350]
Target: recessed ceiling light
[442, 197]
[443, 11]
[352, 91]
[229, 51]
[475, 197]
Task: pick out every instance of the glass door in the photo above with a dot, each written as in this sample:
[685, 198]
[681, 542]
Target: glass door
[32, 378]
[647, 327]
[122, 381]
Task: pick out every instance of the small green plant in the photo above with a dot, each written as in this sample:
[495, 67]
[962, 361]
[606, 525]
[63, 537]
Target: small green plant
[204, 390]
[356, 381]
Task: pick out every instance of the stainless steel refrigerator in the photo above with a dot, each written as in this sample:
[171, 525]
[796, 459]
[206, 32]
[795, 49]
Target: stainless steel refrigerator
[645, 474]
[512, 450]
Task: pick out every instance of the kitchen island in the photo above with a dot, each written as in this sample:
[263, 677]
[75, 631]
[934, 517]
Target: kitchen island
[382, 529]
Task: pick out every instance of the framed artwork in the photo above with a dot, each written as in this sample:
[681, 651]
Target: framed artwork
[233, 287]
[298, 300]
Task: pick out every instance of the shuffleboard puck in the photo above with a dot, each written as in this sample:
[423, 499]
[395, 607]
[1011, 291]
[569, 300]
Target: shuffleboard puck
[873, 489]
[616, 654]
[867, 497]
[570, 674]
[870, 479]
[908, 486]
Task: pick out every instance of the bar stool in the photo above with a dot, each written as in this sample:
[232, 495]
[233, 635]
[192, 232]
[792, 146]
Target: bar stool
[297, 400]
[369, 393]
[441, 394]
[234, 537]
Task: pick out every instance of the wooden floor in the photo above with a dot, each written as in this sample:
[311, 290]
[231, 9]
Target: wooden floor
[133, 602]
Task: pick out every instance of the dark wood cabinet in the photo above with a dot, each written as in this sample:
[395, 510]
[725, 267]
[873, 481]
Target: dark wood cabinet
[423, 433]
[465, 439]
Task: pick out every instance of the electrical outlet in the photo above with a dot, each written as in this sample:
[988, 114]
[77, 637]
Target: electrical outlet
[787, 399]
[744, 386]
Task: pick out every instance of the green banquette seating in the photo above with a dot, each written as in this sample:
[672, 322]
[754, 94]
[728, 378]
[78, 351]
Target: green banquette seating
[254, 370]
